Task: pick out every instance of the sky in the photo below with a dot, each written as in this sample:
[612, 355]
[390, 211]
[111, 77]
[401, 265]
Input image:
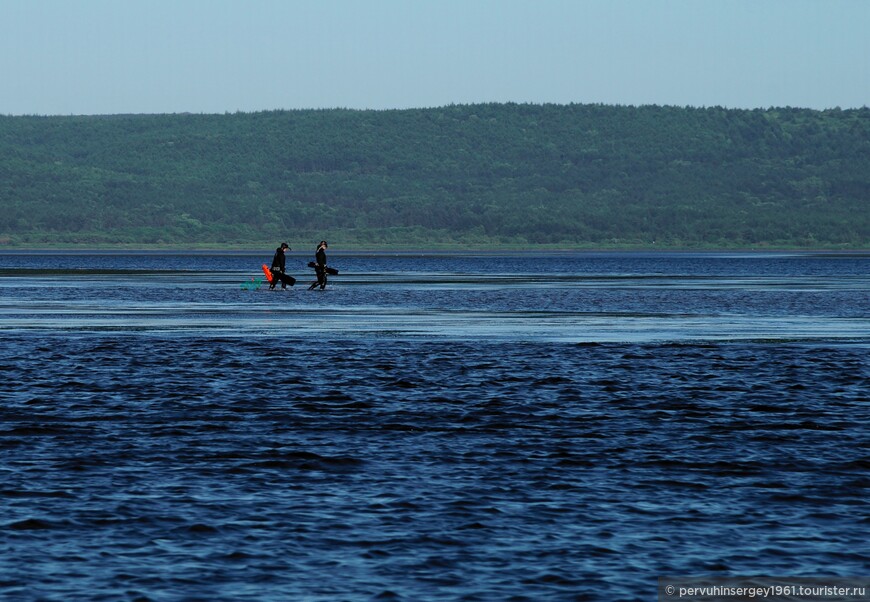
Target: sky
[64, 57]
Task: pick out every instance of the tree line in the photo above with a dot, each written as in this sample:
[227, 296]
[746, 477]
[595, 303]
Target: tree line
[490, 174]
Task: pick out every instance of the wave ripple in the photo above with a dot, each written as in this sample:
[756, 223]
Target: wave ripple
[166, 467]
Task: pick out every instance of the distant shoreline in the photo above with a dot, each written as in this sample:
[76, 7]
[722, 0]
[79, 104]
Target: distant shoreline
[409, 250]
[497, 175]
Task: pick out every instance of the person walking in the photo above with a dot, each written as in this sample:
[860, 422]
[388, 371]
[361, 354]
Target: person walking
[320, 266]
[279, 267]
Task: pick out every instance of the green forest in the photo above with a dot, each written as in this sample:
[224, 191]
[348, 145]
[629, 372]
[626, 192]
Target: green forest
[465, 176]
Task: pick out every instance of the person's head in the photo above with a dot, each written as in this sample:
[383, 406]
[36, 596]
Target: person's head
[285, 246]
[322, 244]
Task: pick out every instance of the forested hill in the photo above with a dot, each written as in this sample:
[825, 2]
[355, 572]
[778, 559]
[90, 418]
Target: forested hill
[570, 175]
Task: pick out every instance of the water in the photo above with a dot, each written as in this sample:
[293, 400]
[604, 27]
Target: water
[431, 427]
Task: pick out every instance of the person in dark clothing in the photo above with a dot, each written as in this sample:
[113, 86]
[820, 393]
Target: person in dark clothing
[278, 268]
[320, 266]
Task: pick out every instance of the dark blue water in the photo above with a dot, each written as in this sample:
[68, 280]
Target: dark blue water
[453, 427]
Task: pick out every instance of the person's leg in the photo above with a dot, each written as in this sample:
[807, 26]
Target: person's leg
[287, 281]
[321, 275]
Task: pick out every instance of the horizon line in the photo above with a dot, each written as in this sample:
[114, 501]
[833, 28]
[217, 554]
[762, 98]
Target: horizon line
[435, 107]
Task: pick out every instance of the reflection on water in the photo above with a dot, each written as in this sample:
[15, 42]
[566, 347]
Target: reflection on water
[567, 297]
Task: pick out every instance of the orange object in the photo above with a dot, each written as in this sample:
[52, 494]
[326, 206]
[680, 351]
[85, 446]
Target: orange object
[268, 273]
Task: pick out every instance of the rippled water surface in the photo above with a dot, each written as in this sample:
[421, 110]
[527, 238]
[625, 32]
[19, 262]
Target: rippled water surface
[430, 427]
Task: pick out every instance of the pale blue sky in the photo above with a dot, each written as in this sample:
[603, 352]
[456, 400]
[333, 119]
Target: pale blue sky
[213, 56]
